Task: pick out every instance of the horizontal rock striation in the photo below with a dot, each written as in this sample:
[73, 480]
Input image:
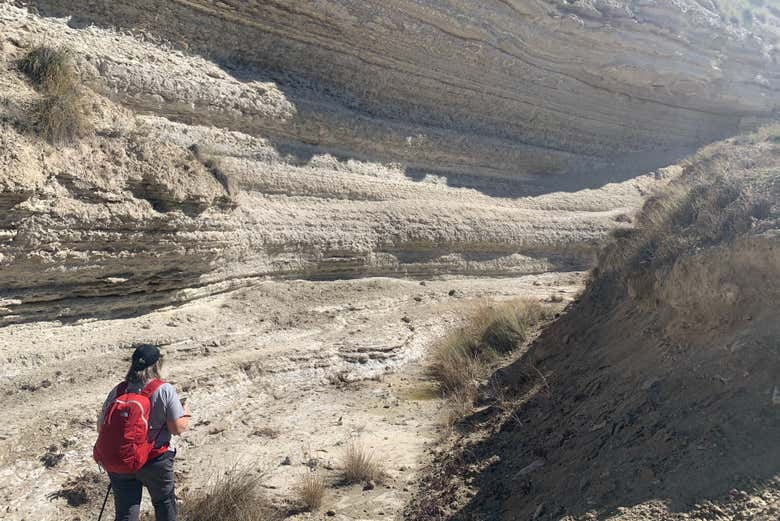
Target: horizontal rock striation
[148, 212]
[351, 140]
[494, 87]
[110, 228]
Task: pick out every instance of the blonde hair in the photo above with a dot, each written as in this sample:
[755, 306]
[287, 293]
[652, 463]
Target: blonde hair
[153, 372]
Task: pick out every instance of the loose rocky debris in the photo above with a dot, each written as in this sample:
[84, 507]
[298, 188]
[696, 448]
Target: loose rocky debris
[85, 490]
[52, 457]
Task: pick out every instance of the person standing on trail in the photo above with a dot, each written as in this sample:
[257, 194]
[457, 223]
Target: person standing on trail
[134, 442]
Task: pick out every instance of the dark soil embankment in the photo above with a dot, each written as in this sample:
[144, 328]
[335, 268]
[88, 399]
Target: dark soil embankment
[657, 395]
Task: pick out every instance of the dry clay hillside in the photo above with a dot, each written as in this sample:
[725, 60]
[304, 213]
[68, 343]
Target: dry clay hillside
[657, 394]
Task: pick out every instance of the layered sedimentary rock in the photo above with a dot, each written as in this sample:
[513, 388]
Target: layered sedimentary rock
[498, 87]
[338, 139]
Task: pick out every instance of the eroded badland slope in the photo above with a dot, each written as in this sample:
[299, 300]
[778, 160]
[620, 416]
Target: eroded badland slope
[656, 395]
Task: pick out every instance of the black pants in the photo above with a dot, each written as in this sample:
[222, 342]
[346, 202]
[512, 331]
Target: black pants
[157, 477]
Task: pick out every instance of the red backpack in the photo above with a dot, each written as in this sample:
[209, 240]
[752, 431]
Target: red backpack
[122, 446]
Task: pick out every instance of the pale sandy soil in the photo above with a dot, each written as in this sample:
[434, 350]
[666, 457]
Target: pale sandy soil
[276, 370]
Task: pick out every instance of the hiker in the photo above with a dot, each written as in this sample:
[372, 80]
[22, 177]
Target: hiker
[134, 441]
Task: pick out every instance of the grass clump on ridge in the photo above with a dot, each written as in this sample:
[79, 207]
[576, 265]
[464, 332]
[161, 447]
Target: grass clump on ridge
[235, 496]
[692, 213]
[454, 363]
[727, 192]
[461, 359]
[62, 115]
[61, 119]
[49, 68]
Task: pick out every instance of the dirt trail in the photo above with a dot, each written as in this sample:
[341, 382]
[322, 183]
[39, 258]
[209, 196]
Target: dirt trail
[275, 373]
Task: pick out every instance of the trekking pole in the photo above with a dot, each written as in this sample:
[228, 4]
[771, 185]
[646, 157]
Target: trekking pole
[105, 500]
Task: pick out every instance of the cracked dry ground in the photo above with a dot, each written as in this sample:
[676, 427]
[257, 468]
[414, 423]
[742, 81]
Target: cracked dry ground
[275, 373]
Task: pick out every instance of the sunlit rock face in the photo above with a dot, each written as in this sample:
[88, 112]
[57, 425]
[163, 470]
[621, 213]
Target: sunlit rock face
[236, 141]
[495, 87]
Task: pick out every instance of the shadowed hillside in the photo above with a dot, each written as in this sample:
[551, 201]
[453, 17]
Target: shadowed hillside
[656, 396]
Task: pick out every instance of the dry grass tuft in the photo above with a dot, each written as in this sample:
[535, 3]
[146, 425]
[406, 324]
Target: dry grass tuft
[49, 68]
[716, 201]
[505, 326]
[461, 359]
[311, 491]
[460, 404]
[454, 363]
[62, 116]
[360, 464]
[235, 496]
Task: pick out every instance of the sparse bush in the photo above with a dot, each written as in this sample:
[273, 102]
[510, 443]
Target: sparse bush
[311, 491]
[722, 196]
[454, 363]
[62, 115]
[457, 363]
[61, 118]
[235, 496]
[460, 403]
[50, 69]
[510, 324]
[359, 464]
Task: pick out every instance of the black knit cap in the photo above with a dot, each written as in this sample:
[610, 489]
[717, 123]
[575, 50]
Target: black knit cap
[144, 356]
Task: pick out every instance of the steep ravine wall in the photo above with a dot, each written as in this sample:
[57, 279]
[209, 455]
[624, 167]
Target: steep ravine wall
[494, 87]
[655, 396]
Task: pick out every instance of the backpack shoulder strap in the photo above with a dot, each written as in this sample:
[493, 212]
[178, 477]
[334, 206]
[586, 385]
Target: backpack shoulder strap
[121, 389]
[151, 387]
[148, 391]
